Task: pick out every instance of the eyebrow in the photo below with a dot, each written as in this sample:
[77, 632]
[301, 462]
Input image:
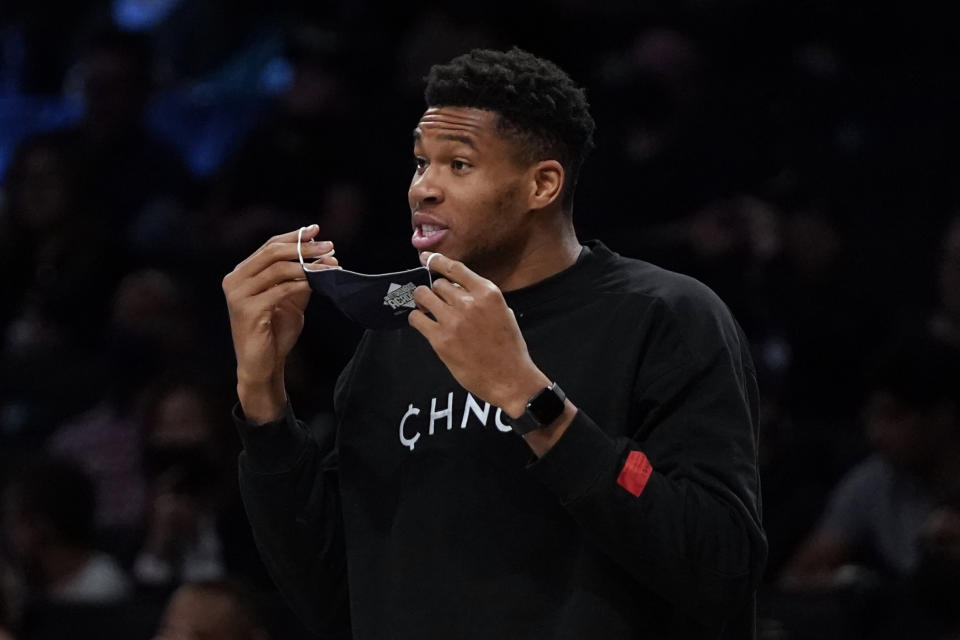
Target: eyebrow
[447, 136]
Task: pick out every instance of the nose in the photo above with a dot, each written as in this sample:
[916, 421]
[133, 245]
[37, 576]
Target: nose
[424, 189]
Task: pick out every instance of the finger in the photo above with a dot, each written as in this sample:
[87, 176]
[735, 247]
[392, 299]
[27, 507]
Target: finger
[283, 252]
[329, 261]
[453, 270]
[308, 234]
[275, 274]
[280, 294]
[449, 292]
[278, 251]
[305, 234]
[429, 301]
[322, 263]
[421, 322]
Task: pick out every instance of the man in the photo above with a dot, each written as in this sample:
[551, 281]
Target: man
[902, 498]
[637, 515]
[47, 519]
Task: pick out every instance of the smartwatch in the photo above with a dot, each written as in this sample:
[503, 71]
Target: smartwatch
[542, 409]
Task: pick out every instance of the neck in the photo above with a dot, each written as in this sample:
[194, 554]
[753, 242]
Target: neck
[547, 250]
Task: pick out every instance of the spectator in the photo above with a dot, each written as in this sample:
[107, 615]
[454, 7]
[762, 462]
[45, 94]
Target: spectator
[293, 166]
[150, 330]
[187, 536]
[138, 184]
[153, 309]
[285, 169]
[878, 513]
[662, 136]
[212, 610]
[47, 219]
[52, 252]
[48, 520]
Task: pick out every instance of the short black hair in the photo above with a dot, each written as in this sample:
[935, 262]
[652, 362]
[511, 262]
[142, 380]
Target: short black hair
[538, 104]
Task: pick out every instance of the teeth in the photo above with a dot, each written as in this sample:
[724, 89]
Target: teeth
[428, 229]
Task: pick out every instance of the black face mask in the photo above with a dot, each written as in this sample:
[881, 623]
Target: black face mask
[376, 301]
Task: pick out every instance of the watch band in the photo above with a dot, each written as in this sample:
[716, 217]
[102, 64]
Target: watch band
[542, 410]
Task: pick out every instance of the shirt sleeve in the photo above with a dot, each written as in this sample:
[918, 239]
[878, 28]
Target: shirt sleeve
[678, 503]
[289, 485]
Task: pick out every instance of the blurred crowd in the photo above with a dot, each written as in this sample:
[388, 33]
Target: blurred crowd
[798, 163]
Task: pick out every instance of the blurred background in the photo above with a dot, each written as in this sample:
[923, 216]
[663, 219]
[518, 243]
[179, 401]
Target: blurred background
[799, 158]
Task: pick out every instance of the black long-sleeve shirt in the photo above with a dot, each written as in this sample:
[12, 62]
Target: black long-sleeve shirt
[427, 517]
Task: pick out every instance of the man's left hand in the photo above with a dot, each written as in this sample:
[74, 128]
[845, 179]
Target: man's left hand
[475, 334]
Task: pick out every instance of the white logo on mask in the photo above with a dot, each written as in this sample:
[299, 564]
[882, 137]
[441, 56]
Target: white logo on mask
[400, 296]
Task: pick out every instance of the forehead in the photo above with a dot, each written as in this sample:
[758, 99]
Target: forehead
[457, 124]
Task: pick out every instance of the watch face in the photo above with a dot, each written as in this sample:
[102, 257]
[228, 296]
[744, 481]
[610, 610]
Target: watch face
[547, 405]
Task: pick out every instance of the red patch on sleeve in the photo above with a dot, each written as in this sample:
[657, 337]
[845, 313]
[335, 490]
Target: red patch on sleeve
[635, 473]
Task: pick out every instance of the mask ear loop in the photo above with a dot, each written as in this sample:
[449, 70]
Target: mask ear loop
[300, 253]
[430, 273]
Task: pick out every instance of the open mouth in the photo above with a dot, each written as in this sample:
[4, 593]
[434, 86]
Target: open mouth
[427, 236]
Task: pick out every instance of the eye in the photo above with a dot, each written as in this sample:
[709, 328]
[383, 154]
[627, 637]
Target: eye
[420, 163]
[459, 166]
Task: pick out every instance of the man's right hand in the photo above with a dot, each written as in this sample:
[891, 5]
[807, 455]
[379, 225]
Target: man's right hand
[266, 295]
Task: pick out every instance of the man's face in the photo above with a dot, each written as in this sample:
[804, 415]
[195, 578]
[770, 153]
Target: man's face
[469, 193]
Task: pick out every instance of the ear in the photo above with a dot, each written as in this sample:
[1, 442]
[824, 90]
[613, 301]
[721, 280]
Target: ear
[547, 180]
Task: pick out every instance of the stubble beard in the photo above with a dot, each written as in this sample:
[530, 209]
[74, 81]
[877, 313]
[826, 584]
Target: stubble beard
[497, 254]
